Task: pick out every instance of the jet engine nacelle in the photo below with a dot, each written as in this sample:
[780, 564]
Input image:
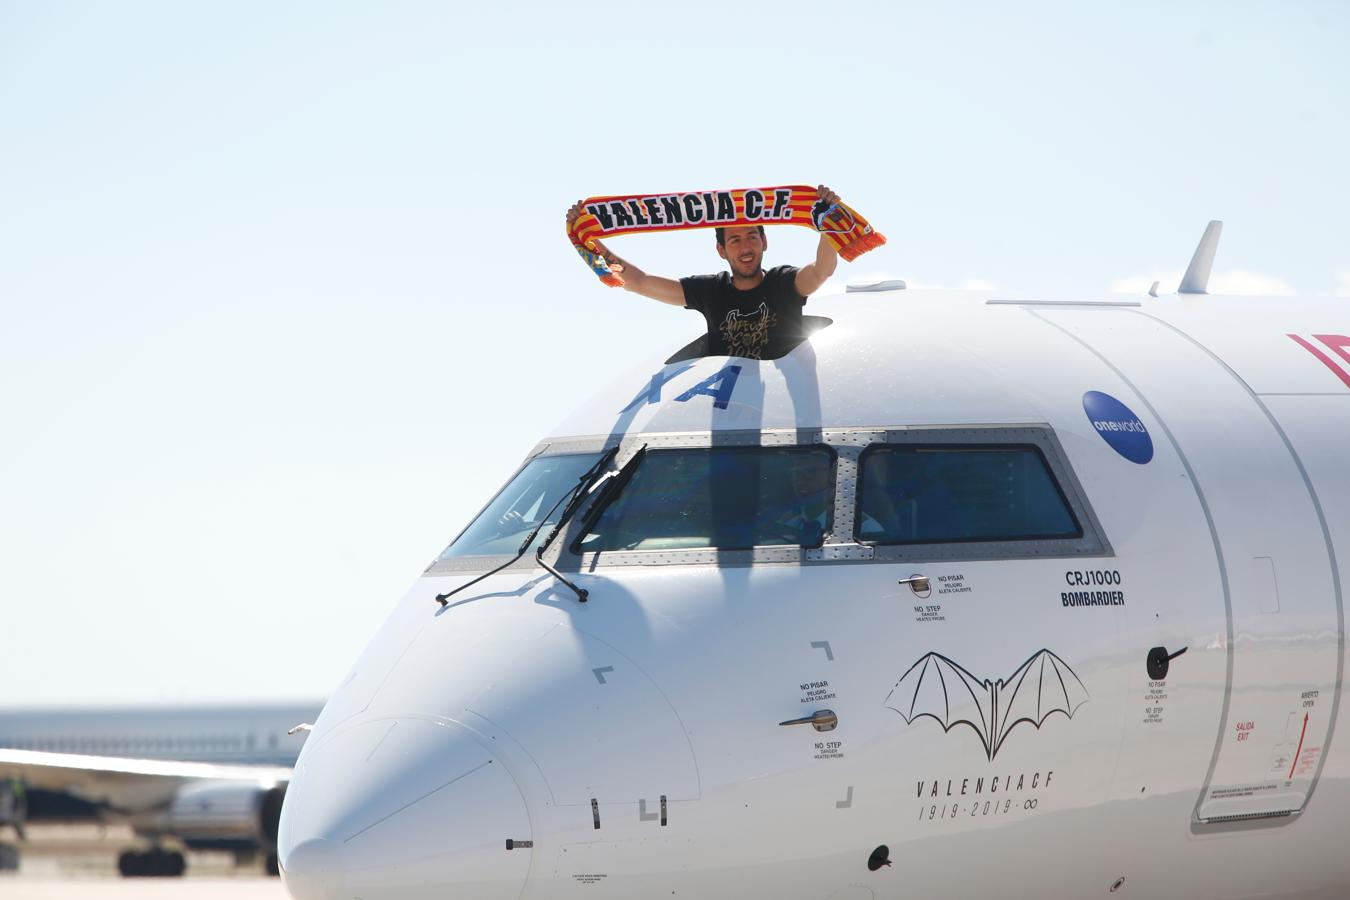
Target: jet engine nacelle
[220, 815]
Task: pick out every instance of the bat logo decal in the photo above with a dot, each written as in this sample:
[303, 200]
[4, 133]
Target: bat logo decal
[941, 689]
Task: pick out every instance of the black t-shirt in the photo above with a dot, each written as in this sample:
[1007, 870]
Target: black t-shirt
[764, 322]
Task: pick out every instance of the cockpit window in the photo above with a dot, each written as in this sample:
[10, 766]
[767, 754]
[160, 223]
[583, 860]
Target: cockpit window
[725, 498]
[518, 508]
[934, 495]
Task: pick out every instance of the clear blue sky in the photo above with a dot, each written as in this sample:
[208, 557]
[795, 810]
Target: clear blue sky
[284, 292]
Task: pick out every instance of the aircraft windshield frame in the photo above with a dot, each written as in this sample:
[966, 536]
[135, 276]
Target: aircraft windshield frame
[719, 498]
[531, 493]
[947, 496]
[840, 544]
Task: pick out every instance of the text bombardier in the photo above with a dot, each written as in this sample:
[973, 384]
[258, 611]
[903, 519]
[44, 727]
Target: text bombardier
[1093, 598]
[709, 208]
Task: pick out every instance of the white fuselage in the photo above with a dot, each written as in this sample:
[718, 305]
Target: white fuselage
[1007, 730]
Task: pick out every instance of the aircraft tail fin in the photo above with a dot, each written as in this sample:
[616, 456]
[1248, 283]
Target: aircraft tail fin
[1196, 279]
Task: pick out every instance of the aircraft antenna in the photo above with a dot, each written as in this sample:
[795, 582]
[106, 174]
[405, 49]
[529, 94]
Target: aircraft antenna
[1196, 279]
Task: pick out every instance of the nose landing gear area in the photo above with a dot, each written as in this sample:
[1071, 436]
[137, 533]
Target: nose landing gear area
[87, 860]
[155, 862]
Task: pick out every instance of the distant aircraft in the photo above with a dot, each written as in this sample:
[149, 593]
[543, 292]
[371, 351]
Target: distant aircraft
[201, 777]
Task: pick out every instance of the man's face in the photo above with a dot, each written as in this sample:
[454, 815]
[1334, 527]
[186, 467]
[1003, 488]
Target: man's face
[810, 482]
[743, 249]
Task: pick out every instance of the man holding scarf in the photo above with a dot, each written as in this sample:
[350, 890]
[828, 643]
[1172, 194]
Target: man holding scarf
[750, 312]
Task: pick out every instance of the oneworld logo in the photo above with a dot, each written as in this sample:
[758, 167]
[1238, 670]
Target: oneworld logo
[1131, 425]
[1118, 426]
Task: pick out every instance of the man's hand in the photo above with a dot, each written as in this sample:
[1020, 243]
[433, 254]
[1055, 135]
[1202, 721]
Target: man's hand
[573, 214]
[810, 278]
[824, 193]
[667, 290]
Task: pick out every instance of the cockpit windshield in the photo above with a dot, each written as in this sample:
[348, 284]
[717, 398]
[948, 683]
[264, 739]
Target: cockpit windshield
[935, 495]
[520, 506]
[728, 498]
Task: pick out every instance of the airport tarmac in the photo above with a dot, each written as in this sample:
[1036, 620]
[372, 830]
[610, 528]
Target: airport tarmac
[80, 863]
[204, 888]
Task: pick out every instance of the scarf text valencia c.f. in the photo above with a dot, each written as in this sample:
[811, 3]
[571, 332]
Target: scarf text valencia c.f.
[789, 204]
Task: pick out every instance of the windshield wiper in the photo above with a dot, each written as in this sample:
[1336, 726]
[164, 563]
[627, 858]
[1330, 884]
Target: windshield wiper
[612, 487]
[619, 479]
[573, 498]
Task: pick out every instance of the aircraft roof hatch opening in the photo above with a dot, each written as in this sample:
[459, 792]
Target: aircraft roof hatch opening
[698, 348]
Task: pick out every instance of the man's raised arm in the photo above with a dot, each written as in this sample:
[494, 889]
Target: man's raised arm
[811, 277]
[667, 290]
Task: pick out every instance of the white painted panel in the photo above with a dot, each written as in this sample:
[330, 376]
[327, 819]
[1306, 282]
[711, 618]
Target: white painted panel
[570, 700]
[1264, 584]
[365, 798]
[1319, 428]
[1260, 508]
[1254, 338]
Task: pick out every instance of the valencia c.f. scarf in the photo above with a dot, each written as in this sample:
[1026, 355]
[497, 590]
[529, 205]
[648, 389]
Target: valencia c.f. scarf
[791, 204]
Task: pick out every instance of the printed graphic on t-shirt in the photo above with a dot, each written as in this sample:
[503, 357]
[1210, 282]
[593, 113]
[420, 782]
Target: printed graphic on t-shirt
[747, 334]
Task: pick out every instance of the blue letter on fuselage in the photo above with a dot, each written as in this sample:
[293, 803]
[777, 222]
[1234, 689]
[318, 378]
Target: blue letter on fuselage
[652, 392]
[725, 379]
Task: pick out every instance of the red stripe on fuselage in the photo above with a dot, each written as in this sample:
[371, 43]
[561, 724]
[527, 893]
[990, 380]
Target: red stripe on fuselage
[1326, 360]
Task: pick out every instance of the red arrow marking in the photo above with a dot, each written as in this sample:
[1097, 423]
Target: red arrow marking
[1331, 340]
[1300, 746]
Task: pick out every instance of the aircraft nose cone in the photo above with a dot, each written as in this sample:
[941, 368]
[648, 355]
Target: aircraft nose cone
[314, 871]
[389, 807]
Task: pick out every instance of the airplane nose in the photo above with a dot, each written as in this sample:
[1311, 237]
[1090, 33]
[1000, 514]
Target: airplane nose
[314, 871]
[385, 807]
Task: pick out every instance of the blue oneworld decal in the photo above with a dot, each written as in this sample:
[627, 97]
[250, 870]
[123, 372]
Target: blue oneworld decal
[1118, 426]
